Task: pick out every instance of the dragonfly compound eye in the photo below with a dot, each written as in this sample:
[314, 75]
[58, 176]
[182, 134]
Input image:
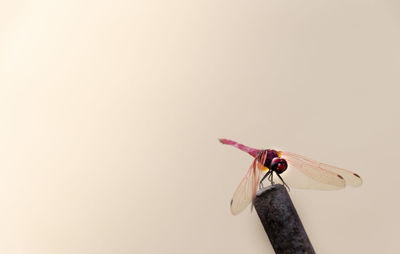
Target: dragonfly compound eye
[278, 165]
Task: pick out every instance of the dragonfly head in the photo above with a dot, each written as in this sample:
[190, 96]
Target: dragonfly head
[278, 165]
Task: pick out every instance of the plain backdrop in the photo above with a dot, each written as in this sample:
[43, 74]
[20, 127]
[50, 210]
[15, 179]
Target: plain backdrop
[110, 113]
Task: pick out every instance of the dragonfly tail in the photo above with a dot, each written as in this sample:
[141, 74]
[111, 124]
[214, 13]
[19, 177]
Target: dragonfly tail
[252, 151]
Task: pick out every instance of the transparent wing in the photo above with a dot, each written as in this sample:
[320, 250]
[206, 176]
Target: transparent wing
[317, 176]
[351, 178]
[246, 191]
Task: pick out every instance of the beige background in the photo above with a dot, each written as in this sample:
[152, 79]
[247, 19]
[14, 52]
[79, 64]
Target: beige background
[110, 113]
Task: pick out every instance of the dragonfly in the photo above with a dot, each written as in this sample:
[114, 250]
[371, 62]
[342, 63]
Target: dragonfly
[298, 171]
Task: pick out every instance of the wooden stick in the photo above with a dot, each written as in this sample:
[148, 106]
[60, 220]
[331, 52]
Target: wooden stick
[281, 222]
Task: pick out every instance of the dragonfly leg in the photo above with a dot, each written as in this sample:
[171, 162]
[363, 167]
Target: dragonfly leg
[271, 178]
[283, 182]
[261, 185]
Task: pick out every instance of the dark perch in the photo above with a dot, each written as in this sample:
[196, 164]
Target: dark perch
[281, 222]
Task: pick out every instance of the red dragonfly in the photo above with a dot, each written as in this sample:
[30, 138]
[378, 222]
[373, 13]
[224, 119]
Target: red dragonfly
[308, 174]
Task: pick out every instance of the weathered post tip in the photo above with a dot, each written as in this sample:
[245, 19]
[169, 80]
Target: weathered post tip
[281, 221]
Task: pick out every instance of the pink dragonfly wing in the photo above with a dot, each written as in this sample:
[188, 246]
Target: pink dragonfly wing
[247, 189]
[351, 178]
[321, 176]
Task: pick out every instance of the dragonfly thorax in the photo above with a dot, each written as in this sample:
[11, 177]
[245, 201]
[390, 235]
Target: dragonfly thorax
[274, 162]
